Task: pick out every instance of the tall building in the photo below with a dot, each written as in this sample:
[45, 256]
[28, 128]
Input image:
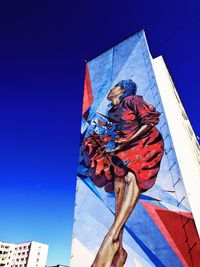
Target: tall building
[128, 95]
[7, 251]
[28, 254]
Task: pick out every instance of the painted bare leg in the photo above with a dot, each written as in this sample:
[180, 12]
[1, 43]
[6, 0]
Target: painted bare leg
[108, 248]
[106, 252]
[129, 202]
[110, 244]
[121, 255]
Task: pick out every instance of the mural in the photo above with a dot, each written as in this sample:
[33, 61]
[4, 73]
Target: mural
[131, 206]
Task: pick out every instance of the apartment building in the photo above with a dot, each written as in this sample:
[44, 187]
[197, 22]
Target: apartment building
[7, 251]
[28, 254]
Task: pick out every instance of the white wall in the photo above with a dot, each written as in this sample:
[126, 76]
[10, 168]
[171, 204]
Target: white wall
[38, 255]
[184, 139]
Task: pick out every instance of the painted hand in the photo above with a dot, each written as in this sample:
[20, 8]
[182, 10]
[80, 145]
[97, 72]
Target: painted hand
[110, 151]
[120, 141]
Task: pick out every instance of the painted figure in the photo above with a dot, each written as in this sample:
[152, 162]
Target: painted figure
[124, 159]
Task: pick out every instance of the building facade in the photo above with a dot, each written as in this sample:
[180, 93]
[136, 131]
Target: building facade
[28, 254]
[162, 229]
[7, 251]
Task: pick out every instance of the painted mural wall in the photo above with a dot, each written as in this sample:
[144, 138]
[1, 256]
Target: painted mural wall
[131, 204]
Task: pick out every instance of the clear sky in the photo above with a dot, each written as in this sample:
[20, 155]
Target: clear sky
[43, 45]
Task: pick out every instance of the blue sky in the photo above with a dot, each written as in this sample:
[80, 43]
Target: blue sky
[43, 45]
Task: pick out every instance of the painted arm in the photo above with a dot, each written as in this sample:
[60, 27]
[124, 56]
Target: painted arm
[125, 142]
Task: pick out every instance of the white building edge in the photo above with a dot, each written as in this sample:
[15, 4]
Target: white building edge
[184, 139]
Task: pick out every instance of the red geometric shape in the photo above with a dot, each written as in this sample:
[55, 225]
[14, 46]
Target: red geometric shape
[87, 96]
[180, 232]
[183, 231]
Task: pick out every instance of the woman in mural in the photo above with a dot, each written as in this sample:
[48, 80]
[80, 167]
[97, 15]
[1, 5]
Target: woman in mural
[130, 168]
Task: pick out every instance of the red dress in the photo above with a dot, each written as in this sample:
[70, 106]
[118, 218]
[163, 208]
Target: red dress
[142, 156]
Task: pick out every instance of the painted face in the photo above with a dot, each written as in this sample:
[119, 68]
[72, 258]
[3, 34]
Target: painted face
[115, 93]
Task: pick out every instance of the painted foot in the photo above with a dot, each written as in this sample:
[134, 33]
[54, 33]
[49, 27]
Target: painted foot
[119, 258]
[106, 253]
